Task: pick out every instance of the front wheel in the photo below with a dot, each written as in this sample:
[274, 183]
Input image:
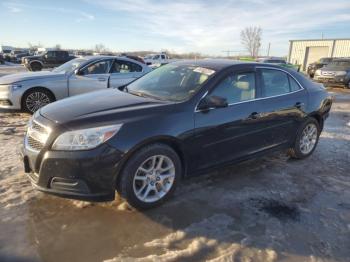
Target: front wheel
[306, 139]
[150, 176]
[35, 99]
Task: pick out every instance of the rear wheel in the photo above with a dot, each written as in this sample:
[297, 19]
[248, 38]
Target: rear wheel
[35, 66]
[306, 139]
[35, 99]
[150, 176]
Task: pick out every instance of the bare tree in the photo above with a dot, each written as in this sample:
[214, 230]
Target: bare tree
[58, 46]
[99, 48]
[251, 39]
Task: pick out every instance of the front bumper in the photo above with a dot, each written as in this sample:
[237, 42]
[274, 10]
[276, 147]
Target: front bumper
[9, 100]
[334, 80]
[85, 175]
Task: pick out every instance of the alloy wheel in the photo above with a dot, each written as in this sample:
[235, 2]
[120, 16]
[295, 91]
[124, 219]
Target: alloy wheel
[154, 178]
[37, 100]
[308, 138]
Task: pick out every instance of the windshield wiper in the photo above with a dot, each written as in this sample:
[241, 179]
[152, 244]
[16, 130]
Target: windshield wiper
[147, 95]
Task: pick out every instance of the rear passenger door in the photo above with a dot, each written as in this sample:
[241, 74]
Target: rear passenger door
[123, 72]
[281, 105]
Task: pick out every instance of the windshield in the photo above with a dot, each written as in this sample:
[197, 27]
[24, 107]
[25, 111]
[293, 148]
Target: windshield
[340, 63]
[69, 66]
[171, 82]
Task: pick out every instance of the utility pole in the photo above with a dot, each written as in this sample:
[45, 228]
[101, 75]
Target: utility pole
[228, 52]
[268, 50]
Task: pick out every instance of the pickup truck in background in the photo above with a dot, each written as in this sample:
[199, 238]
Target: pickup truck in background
[48, 59]
[157, 59]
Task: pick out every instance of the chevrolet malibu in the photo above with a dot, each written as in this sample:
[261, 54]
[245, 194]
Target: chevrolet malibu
[30, 91]
[178, 120]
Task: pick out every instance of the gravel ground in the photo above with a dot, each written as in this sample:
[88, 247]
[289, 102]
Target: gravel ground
[267, 209]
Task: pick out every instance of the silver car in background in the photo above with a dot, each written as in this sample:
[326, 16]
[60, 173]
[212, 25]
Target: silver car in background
[32, 90]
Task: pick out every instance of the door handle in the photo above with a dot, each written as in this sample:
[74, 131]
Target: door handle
[101, 79]
[254, 115]
[299, 105]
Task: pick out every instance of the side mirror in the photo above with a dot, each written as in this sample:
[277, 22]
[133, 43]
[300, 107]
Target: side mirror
[46, 56]
[212, 102]
[78, 72]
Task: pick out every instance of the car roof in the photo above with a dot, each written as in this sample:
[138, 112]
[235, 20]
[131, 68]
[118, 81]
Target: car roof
[215, 64]
[219, 64]
[97, 57]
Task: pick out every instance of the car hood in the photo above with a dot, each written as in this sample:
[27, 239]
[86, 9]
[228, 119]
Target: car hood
[98, 106]
[335, 68]
[19, 77]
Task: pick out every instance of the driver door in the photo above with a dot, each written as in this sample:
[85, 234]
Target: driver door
[92, 77]
[232, 132]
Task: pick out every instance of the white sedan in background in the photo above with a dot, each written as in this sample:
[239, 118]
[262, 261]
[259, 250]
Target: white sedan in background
[32, 90]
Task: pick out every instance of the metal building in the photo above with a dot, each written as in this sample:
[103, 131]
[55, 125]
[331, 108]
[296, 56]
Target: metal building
[304, 52]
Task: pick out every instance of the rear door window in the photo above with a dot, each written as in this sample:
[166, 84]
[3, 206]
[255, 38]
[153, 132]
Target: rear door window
[294, 86]
[120, 66]
[275, 82]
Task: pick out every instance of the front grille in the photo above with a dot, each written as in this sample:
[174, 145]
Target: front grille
[36, 136]
[34, 144]
[39, 128]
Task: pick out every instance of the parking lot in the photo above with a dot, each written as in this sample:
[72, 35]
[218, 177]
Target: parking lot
[267, 209]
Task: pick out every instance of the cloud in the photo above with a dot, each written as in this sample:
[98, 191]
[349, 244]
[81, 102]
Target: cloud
[18, 7]
[12, 8]
[212, 26]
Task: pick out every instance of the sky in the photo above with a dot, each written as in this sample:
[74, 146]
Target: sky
[181, 26]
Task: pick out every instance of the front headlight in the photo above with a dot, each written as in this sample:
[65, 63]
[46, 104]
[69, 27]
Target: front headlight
[85, 139]
[318, 72]
[340, 73]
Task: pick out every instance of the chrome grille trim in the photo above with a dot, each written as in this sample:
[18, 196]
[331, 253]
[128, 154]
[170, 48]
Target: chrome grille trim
[36, 136]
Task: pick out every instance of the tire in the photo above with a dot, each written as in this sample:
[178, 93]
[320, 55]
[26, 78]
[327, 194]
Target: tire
[299, 149]
[35, 99]
[35, 66]
[137, 176]
[347, 86]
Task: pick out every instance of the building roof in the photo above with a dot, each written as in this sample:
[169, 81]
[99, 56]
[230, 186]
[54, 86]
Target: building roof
[324, 39]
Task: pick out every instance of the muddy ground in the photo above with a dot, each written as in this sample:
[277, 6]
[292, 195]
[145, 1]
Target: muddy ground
[267, 209]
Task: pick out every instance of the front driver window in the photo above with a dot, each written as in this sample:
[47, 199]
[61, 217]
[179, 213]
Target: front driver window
[236, 87]
[101, 67]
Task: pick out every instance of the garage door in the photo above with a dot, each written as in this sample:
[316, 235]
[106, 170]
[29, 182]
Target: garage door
[314, 53]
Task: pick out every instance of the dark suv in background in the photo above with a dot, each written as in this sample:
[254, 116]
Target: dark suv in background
[335, 73]
[48, 59]
[311, 69]
[2, 60]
